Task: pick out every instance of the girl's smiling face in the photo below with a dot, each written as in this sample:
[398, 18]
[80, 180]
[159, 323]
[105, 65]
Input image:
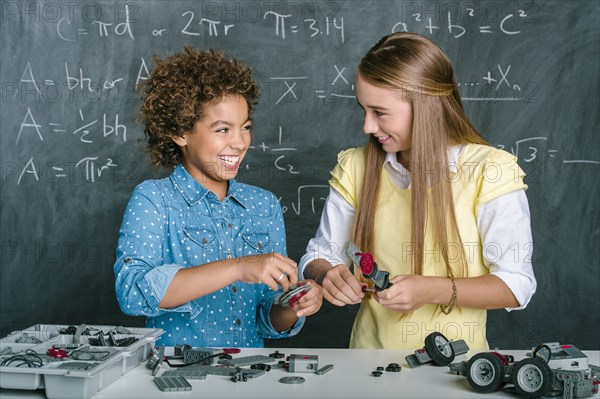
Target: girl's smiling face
[213, 151]
[387, 117]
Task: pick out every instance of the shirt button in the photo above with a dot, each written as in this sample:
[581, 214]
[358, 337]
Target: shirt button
[229, 256]
[234, 289]
[229, 225]
[238, 322]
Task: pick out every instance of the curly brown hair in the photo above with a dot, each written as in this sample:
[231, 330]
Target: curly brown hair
[174, 96]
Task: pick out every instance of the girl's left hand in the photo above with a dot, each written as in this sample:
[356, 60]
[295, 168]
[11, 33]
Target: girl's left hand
[311, 302]
[407, 293]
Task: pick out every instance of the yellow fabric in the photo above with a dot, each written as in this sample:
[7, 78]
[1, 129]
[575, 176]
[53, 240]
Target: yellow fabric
[483, 173]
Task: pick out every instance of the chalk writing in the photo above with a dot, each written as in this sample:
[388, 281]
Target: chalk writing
[280, 162]
[509, 24]
[213, 26]
[328, 26]
[29, 122]
[333, 88]
[290, 89]
[494, 85]
[91, 168]
[531, 149]
[318, 196]
[104, 29]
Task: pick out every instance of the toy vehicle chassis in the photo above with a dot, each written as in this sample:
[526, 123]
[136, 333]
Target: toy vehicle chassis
[437, 350]
[553, 370]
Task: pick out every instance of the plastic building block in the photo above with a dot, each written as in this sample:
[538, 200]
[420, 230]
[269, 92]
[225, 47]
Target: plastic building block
[212, 370]
[244, 374]
[303, 363]
[186, 373]
[393, 367]
[156, 359]
[552, 370]
[368, 267]
[261, 366]
[277, 355]
[172, 384]
[325, 369]
[438, 350]
[200, 355]
[280, 365]
[180, 348]
[246, 360]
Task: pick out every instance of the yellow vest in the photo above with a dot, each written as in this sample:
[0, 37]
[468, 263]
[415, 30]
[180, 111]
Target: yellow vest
[483, 173]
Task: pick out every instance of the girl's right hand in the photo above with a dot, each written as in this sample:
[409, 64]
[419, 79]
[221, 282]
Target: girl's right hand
[272, 269]
[340, 287]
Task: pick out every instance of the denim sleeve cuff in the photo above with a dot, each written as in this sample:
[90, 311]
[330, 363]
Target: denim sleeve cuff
[265, 327]
[154, 286]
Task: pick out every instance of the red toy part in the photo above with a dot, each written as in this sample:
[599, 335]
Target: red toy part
[366, 263]
[501, 357]
[57, 353]
[296, 297]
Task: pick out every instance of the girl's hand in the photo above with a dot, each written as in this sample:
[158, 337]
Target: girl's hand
[271, 269]
[407, 293]
[340, 287]
[311, 302]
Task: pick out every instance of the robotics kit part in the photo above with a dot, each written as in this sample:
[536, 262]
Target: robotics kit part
[303, 363]
[186, 373]
[438, 350]
[246, 360]
[554, 370]
[156, 359]
[291, 380]
[200, 355]
[325, 369]
[57, 353]
[261, 366]
[172, 384]
[292, 295]
[277, 355]
[180, 348]
[393, 367]
[368, 267]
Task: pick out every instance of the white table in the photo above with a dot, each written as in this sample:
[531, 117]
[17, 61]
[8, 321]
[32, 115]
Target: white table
[350, 378]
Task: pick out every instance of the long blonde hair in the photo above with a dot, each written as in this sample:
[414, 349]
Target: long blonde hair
[423, 75]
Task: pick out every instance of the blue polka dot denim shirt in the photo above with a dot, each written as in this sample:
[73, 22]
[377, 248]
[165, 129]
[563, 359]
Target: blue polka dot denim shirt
[174, 223]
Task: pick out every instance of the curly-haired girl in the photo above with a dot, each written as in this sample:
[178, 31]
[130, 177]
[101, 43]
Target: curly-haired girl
[200, 255]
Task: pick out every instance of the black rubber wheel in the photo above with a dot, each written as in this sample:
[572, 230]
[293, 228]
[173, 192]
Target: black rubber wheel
[485, 372]
[532, 378]
[543, 352]
[439, 349]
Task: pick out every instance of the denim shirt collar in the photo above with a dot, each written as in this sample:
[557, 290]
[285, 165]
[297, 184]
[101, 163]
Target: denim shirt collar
[194, 192]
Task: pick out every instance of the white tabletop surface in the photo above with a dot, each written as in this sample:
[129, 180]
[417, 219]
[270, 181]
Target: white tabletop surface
[350, 378]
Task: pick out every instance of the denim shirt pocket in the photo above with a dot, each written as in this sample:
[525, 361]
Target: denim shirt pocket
[260, 242]
[203, 241]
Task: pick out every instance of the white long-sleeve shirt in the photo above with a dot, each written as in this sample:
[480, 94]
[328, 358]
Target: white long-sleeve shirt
[508, 256]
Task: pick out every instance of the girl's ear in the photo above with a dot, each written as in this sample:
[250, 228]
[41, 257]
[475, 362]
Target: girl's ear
[181, 141]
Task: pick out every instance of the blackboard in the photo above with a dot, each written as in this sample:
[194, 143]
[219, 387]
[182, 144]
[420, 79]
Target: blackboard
[72, 151]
